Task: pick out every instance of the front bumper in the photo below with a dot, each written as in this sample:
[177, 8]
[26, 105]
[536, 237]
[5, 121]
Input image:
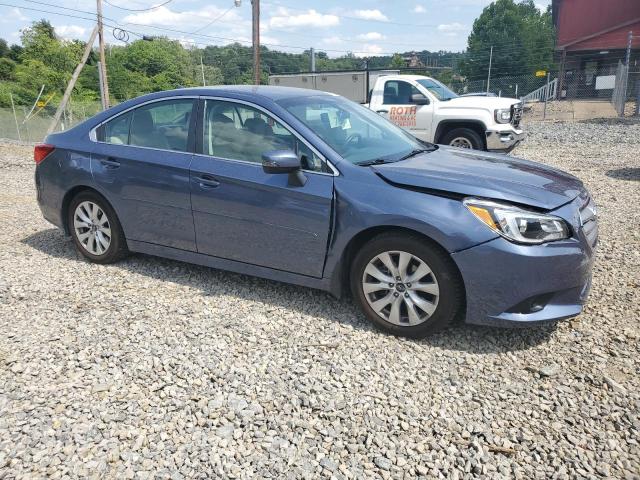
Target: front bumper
[504, 140]
[521, 285]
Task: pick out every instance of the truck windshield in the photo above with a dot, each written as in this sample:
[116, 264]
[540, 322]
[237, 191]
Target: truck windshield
[440, 90]
[353, 131]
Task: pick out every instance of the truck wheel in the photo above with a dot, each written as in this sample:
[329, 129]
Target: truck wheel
[463, 138]
[406, 285]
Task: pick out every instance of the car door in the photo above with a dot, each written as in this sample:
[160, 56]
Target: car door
[242, 213]
[398, 107]
[141, 162]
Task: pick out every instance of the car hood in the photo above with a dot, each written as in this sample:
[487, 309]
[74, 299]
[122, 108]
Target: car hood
[487, 103]
[481, 174]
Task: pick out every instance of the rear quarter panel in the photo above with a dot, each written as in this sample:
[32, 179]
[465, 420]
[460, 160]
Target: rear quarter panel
[68, 166]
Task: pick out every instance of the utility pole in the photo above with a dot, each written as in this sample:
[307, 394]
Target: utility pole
[72, 82]
[103, 62]
[489, 75]
[312, 53]
[204, 82]
[255, 14]
[628, 56]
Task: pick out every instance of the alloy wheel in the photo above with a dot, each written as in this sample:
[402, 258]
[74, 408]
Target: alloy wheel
[461, 142]
[401, 288]
[92, 228]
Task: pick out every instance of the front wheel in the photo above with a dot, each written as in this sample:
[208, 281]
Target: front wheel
[406, 285]
[463, 138]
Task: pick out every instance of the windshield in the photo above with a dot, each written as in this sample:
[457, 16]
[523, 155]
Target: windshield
[353, 131]
[438, 89]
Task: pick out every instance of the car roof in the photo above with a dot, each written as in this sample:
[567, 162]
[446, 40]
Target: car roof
[267, 91]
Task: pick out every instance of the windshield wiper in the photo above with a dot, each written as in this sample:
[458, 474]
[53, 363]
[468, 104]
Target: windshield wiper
[415, 152]
[377, 161]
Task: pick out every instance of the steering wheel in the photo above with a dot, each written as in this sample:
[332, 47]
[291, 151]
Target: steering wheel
[353, 138]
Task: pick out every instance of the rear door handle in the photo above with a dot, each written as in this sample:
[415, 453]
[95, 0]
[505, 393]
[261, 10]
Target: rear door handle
[110, 162]
[207, 181]
[382, 111]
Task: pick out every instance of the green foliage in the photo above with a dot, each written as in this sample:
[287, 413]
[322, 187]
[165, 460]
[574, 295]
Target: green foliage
[15, 51]
[7, 69]
[155, 64]
[521, 35]
[397, 61]
[4, 48]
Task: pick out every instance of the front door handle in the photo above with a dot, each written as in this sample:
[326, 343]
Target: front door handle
[382, 111]
[110, 163]
[207, 181]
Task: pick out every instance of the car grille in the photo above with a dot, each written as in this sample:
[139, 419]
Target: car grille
[589, 220]
[516, 114]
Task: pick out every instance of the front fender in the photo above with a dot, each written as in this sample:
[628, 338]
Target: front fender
[375, 205]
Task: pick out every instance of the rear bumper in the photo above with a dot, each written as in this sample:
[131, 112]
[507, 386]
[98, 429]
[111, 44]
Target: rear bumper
[523, 285]
[504, 140]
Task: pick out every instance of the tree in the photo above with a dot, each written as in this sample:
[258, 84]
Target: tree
[397, 61]
[522, 38]
[15, 51]
[7, 69]
[4, 48]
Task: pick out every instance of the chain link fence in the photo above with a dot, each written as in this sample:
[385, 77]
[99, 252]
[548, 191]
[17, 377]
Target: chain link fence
[29, 123]
[554, 98]
[566, 97]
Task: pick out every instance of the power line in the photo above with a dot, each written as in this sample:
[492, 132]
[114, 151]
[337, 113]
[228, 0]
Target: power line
[214, 20]
[348, 17]
[139, 9]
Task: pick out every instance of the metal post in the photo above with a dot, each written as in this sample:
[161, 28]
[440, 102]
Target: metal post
[204, 82]
[561, 74]
[516, 90]
[101, 83]
[255, 4]
[103, 61]
[489, 75]
[15, 117]
[26, 118]
[546, 97]
[312, 52]
[628, 55]
[74, 78]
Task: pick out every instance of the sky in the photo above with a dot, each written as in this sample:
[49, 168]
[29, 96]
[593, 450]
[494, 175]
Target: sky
[364, 27]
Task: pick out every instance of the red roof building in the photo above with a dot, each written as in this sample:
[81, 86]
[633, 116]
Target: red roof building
[591, 38]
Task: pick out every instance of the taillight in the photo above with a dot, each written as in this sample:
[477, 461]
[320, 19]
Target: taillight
[41, 151]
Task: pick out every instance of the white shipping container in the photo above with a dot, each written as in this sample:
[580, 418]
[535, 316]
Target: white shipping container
[352, 84]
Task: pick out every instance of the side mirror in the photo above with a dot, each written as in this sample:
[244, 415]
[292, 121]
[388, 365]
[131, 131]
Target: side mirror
[280, 161]
[419, 99]
[284, 161]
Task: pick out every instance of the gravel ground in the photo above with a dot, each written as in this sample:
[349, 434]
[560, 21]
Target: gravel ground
[156, 369]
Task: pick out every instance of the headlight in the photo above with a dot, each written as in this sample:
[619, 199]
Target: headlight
[503, 115]
[517, 224]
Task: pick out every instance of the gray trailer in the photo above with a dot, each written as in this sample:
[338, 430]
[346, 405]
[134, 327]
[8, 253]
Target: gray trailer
[354, 84]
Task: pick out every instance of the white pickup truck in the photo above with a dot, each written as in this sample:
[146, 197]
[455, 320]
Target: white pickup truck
[426, 107]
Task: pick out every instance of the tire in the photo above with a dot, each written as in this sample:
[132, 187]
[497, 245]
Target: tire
[440, 292]
[463, 138]
[96, 231]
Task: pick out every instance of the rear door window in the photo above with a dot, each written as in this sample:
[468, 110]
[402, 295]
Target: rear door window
[163, 125]
[116, 131]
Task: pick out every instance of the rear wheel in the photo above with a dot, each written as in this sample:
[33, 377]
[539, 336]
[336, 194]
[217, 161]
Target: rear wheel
[95, 228]
[405, 285]
[463, 138]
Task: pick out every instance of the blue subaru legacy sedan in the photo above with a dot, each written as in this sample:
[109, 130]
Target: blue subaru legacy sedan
[309, 188]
